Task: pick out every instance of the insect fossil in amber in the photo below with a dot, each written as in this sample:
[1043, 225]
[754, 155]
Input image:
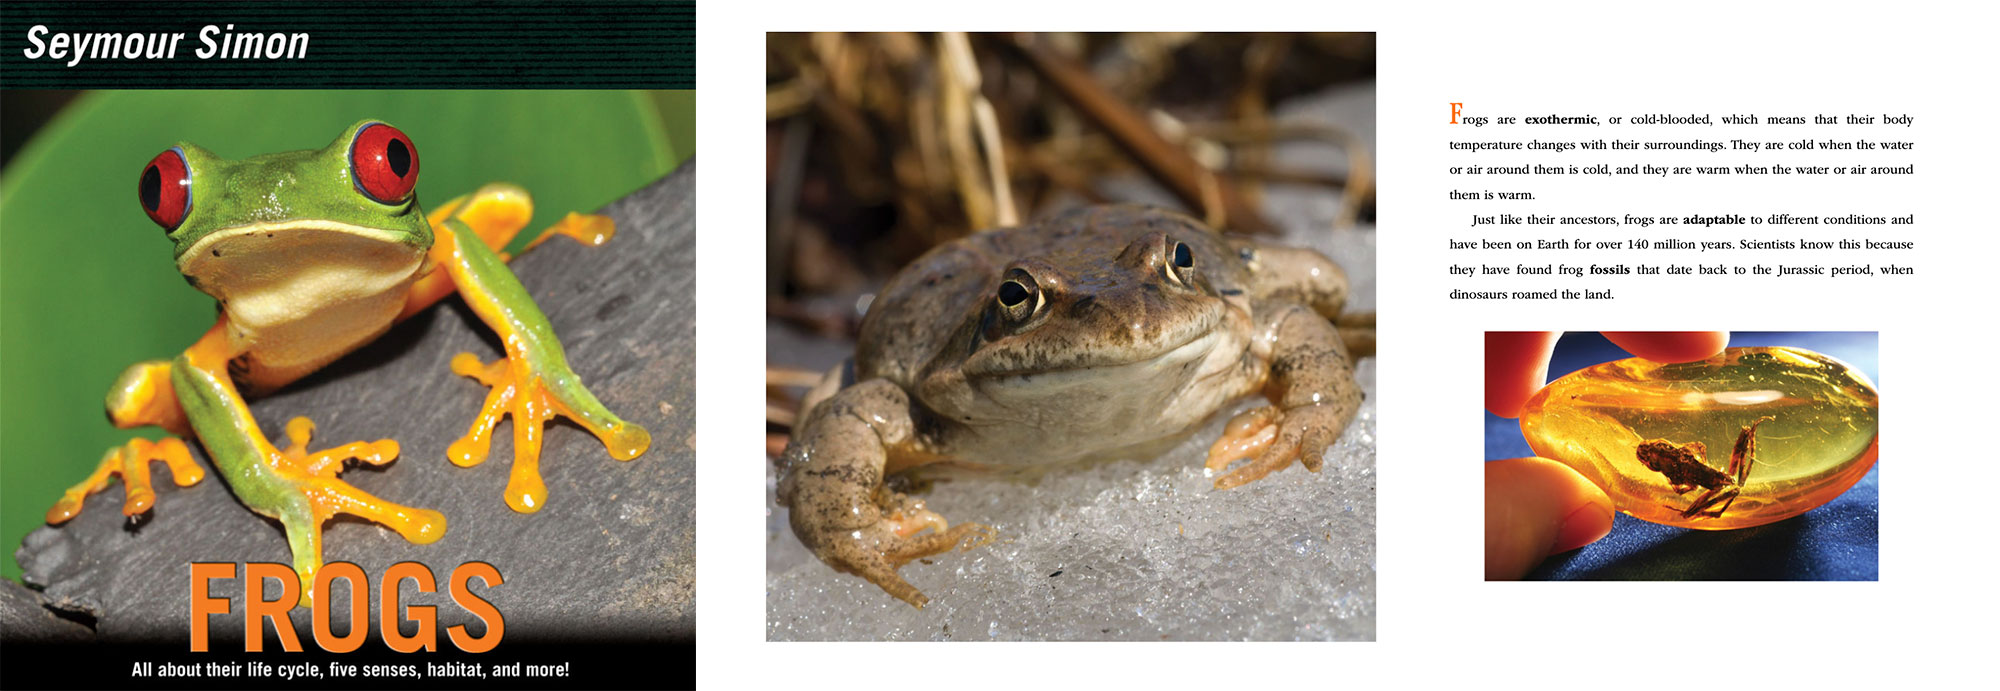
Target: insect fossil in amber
[1800, 426]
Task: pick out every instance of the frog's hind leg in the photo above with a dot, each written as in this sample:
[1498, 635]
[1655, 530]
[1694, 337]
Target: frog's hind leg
[496, 213]
[532, 383]
[831, 479]
[143, 396]
[298, 488]
[1722, 495]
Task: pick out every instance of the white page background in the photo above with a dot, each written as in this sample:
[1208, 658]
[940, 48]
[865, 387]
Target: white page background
[1926, 622]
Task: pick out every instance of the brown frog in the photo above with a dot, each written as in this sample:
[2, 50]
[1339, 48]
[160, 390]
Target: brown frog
[1096, 332]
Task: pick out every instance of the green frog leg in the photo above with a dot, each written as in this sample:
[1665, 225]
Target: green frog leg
[533, 382]
[1313, 392]
[298, 488]
[831, 479]
[496, 213]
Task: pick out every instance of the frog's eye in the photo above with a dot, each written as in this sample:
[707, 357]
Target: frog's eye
[163, 189]
[385, 163]
[1012, 293]
[1019, 296]
[1180, 264]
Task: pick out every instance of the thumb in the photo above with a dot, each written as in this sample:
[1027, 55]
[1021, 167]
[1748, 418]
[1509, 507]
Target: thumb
[1536, 507]
[1517, 364]
[1670, 346]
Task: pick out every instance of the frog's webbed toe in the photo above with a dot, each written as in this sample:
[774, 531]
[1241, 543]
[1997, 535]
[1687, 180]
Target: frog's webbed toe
[519, 390]
[310, 492]
[143, 396]
[133, 462]
[533, 382]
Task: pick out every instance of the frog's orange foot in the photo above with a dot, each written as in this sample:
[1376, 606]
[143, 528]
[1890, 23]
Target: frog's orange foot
[317, 476]
[313, 477]
[519, 392]
[1273, 439]
[132, 461]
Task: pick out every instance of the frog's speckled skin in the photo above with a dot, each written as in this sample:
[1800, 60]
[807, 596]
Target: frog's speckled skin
[1120, 341]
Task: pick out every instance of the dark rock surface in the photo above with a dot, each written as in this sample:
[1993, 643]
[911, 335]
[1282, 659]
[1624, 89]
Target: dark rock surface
[22, 617]
[612, 555]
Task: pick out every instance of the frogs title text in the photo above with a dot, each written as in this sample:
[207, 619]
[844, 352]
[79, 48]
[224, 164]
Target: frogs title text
[217, 42]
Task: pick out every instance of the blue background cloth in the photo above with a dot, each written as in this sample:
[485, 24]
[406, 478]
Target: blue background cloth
[1835, 542]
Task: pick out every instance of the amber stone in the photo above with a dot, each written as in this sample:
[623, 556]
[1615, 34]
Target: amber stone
[1668, 442]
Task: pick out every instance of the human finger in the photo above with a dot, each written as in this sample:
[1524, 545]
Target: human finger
[1536, 507]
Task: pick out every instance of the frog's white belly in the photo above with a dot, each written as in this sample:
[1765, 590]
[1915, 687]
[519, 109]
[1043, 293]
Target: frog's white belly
[301, 297]
[1065, 416]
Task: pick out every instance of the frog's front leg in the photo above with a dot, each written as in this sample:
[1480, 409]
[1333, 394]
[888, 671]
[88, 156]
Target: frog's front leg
[1312, 386]
[533, 382]
[831, 479]
[1293, 275]
[298, 488]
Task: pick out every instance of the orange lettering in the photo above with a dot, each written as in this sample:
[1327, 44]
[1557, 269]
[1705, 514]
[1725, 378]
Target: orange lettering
[200, 605]
[357, 617]
[278, 611]
[424, 615]
[486, 612]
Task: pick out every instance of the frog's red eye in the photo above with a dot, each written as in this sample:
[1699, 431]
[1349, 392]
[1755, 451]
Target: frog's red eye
[163, 189]
[385, 163]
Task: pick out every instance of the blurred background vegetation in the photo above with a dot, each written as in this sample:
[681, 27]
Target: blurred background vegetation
[88, 284]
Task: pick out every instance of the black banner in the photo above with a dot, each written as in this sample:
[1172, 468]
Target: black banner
[454, 44]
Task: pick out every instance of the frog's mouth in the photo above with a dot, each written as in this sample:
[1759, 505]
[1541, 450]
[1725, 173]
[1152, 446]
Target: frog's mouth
[267, 276]
[311, 249]
[1102, 363]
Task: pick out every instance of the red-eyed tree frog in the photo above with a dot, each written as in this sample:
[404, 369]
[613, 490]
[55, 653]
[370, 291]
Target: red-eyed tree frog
[311, 255]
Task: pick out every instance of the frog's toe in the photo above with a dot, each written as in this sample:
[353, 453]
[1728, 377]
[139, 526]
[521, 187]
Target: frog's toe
[589, 230]
[1300, 434]
[132, 462]
[1246, 435]
[329, 462]
[303, 491]
[883, 574]
[876, 553]
[326, 497]
[519, 391]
